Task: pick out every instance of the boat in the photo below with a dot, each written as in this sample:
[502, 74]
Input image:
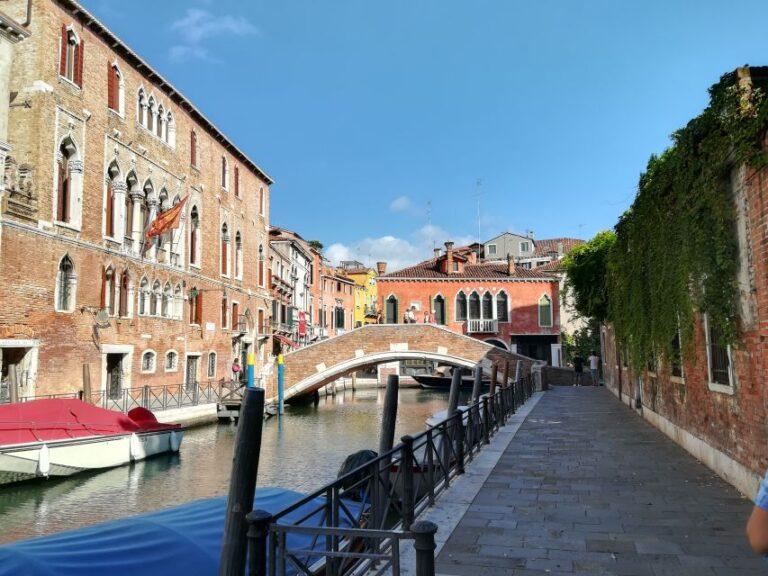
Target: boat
[61, 437]
[183, 539]
[440, 379]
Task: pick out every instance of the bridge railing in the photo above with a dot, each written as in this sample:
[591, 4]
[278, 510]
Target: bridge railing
[355, 524]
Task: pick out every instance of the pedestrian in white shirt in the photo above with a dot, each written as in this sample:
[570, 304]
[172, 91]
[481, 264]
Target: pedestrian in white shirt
[594, 364]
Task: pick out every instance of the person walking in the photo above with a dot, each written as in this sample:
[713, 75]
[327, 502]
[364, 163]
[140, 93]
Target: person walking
[236, 370]
[578, 369]
[594, 367]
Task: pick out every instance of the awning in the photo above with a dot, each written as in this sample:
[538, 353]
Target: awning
[286, 341]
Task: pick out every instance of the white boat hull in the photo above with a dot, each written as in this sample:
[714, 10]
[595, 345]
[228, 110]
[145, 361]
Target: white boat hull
[67, 457]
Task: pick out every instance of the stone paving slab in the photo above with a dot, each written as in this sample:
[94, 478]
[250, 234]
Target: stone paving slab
[584, 486]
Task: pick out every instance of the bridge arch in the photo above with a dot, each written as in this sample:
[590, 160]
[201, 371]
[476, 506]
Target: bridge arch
[308, 369]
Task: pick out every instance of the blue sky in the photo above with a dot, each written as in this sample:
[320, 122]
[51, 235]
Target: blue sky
[366, 112]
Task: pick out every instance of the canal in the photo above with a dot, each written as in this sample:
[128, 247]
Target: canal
[301, 451]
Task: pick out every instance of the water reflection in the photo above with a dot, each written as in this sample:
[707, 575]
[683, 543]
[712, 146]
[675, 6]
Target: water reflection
[300, 452]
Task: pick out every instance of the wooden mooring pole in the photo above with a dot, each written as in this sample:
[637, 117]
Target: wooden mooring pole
[13, 384]
[477, 385]
[242, 483]
[87, 383]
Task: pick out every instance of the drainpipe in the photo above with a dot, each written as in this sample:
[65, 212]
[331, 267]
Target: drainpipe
[28, 21]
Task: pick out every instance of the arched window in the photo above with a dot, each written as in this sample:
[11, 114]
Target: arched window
[238, 255]
[193, 148]
[487, 306]
[154, 298]
[178, 302]
[160, 123]
[148, 191]
[66, 284]
[195, 306]
[151, 111]
[143, 297]
[261, 265]
[67, 154]
[194, 236]
[461, 306]
[224, 312]
[474, 306]
[167, 301]
[438, 305]
[502, 308]
[171, 361]
[545, 311]
[148, 361]
[125, 282]
[71, 57]
[224, 250]
[115, 88]
[131, 184]
[237, 181]
[261, 201]
[141, 107]
[224, 173]
[391, 310]
[110, 209]
[108, 290]
[211, 365]
[170, 129]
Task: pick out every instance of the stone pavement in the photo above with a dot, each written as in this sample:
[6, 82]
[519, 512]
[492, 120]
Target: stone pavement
[588, 487]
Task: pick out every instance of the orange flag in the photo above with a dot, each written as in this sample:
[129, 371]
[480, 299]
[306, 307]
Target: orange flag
[167, 220]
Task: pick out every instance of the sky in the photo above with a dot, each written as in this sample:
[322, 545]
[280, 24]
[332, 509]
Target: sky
[383, 123]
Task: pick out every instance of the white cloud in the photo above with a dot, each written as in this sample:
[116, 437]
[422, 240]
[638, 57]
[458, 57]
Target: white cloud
[396, 252]
[197, 26]
[401, 204]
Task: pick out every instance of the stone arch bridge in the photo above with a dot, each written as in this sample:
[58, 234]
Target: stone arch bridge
[310, 368]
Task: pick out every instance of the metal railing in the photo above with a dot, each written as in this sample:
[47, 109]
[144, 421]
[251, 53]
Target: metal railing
[355, 524]
[155, 398]
[488, 325]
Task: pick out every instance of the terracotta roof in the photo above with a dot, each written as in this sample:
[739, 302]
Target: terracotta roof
[429, 269]
[553, 266]
[549, 246]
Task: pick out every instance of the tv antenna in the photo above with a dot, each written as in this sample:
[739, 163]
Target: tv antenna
[478, 184]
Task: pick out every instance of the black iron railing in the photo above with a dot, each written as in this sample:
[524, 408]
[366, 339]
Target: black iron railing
[155, 398]
[355, 523]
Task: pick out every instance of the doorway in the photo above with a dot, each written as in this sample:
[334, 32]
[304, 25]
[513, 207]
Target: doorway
[115, 376]
[190, 380]
[438, 305]
[22, 355]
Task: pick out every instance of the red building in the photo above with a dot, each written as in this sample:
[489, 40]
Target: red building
[503, 304]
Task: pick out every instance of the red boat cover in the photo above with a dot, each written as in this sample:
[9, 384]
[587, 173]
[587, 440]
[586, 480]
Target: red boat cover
[59, 419]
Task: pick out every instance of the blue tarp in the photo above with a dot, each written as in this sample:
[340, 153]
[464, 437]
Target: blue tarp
[184, 540]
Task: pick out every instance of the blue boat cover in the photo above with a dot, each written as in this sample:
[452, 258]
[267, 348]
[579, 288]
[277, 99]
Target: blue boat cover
[183, 540]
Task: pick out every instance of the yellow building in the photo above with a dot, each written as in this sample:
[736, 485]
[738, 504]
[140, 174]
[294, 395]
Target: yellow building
[366, 293]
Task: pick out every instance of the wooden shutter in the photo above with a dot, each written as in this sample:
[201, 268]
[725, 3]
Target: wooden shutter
[199, 309]
[237, 181]
[110, 228]
[63, 51]
[193, 245]
[103, 287]
[111, 87]
[61, 199]
[223, 256]
[193, 148]
[79, 63]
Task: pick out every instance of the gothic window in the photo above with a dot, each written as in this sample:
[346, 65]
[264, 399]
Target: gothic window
[148, 361]
[108, 290]
[110, 208]
[71, 57]
[237, 181]
[125, 281]
[261, 201]
[193, 148]
[115, 88]
[224, 250]
[167, 301]
[474, 306]
[131, 184]
[224, 312]
[211, 364]
[261, 265]
[66, 283]
[64, 189]
[195, 307]
[391, 310]
[545, 311]
[194, 236]
[502, 310]
[178, 302]
[160, 122]
[170, 129]
[224, 173]
[155, 298]
[487, 306]
[238, 255]
[141, 107]
[144, 297]
[461, 307]
[151, 111]
[438, 306]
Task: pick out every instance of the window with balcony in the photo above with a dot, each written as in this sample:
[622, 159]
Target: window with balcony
[502, 307]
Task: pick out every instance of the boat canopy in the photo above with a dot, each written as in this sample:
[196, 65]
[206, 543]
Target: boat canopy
[184, 540]
[63, 419]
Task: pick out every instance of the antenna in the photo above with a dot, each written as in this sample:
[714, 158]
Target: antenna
[478, 184]
[429, 221]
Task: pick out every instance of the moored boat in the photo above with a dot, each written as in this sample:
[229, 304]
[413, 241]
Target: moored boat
[440, 379]
[61, 437]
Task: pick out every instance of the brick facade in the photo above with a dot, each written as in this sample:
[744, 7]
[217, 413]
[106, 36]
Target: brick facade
[112, 153]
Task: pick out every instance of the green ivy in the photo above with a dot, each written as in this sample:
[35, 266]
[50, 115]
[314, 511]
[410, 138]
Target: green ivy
[675, 252]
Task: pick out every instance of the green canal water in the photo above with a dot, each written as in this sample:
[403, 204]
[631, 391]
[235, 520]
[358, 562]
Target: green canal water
[301, 451]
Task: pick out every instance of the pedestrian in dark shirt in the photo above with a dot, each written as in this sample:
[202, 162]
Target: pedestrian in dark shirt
[578, 369]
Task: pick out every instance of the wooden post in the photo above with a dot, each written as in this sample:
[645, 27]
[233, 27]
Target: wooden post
[409, 492]
[494, 376]
[242, 484]
[13, 384]
[354, 380]
[477, 385]
[518, 370]
[453, 395]
[387, 437]
[505, 380]
[86, 382]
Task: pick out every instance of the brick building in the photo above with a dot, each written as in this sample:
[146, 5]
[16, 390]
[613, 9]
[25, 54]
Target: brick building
[100, 144]
[714, 403]
[503, 304]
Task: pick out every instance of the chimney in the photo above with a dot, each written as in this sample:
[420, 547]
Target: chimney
[472, 257]
[510, 265]
[381, 268]
[436, 252]
[449, 257]
[559, 250]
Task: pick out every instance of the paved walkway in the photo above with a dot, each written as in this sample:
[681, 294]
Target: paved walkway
[588, 487]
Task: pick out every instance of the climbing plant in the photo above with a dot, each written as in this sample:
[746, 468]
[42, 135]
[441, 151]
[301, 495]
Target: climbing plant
[675, 252]
[586, 283]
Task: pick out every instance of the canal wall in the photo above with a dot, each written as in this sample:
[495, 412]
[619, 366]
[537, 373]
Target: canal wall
[189, 416]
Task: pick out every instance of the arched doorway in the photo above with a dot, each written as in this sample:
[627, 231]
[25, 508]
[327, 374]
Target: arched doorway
[391, 310]
[438, 304]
